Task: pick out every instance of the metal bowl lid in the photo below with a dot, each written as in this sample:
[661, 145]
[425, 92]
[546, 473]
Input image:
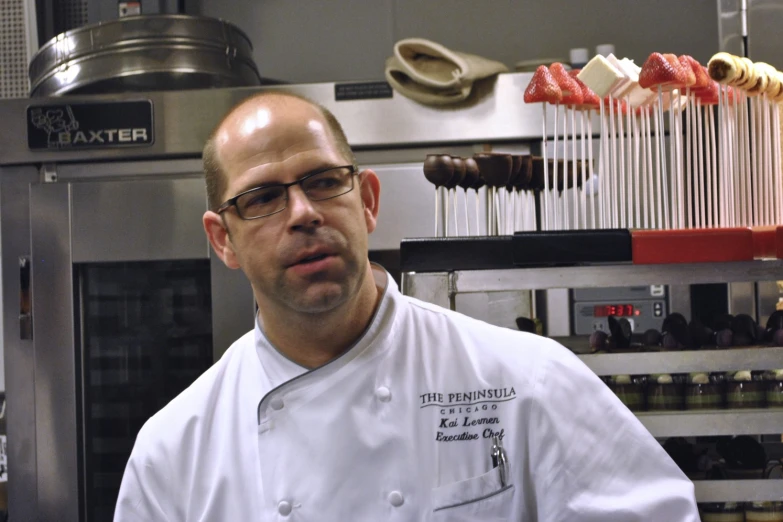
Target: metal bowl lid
[148, 52]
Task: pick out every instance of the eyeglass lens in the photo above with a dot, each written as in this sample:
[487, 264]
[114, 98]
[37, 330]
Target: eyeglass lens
[265, 201]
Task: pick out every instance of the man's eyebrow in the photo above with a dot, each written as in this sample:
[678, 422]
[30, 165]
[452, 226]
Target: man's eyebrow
[265, 184]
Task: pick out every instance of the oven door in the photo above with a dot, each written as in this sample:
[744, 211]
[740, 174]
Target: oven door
[128, 308]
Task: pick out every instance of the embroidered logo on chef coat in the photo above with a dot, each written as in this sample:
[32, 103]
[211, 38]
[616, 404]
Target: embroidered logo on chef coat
[468, 415]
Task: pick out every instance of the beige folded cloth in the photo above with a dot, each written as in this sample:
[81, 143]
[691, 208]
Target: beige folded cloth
[430, 73]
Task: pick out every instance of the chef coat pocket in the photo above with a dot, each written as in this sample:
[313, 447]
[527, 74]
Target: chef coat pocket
[477, 498]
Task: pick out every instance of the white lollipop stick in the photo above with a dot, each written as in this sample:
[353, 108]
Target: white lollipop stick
[564, 194]
[594, 195]
[734, 170]
[437, 197]
[722, 153]
[604, 159]
[658, 162]
[776, 167]
[698, 165]
[672, 179]
[499, 226]
[679, 161]
[613, 195]
[770, 182]
[682, 109]
[729, 158]
[649, 182]
[583, 221]
[701, 151]
[643, 188]
[629, 185]
[740, 161]
[574, 170]
[446, 220]
[622, 173]
[467, 221]
[456, 222]
[478, 217]
[754, 179]
[636, 180]
[748, 168]
[688, 160]
[544, 196]
[713, 221]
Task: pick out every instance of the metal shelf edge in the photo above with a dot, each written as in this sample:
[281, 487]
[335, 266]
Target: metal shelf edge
[685, 361]
[738, 490]
[714, 422]
[517, 279]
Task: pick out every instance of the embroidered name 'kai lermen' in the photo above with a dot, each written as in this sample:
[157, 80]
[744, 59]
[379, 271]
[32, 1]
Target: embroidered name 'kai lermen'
[467, 398]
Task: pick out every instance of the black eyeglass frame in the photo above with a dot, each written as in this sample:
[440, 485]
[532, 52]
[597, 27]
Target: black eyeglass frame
[232, 202]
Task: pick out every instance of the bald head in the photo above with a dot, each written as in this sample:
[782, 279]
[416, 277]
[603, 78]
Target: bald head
[252, 115]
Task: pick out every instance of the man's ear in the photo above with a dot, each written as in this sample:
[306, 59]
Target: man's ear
[217, 233]
[370, 188]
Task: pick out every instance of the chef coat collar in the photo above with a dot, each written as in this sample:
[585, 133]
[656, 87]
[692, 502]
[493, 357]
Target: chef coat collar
[282, 365]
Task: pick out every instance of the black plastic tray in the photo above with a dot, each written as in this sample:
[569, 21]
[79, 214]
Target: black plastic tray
[523, 249]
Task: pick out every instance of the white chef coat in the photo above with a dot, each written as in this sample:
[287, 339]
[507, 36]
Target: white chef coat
[400, 428]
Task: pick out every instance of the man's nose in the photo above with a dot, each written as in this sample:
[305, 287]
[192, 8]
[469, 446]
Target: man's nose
[301, 211]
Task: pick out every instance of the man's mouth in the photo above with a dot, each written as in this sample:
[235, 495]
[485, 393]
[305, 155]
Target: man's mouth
[312, 259]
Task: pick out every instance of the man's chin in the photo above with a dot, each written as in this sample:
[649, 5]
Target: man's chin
[320, 298]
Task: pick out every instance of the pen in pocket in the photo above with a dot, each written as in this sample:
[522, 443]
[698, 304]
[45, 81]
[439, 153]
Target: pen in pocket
[499, 460]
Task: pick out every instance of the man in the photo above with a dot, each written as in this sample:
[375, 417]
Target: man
[352, 402]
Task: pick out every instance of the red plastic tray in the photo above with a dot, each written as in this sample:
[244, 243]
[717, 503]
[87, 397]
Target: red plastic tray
[707, 245]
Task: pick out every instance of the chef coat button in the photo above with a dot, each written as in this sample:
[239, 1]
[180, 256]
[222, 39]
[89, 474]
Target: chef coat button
[284, 508]
[395, 498]
[276, 403]
[383, 393]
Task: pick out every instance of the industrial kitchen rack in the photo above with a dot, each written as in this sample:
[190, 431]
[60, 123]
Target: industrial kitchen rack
[442, 288]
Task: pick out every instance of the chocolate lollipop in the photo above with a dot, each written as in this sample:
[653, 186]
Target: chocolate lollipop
[537, 174]
[470, 163]
[521, 186]
[454, 182]
[438, 169]
[516, 169]
[516, 166]
[525, 172]
[496, 169]
[470, 179]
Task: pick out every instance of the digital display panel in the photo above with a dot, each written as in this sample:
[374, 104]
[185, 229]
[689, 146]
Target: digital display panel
[617, 310]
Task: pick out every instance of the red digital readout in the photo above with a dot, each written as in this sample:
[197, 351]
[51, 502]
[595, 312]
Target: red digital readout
[617, 310]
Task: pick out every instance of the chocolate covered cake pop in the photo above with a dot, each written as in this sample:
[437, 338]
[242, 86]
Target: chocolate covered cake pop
[471, 176]
[438, 169]
[494, 168]
[459, 173]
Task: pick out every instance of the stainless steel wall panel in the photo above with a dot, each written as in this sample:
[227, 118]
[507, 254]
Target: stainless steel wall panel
[18, 355]
[184, 119]
[408, 206]
[742, 299]
[349, 39]
[764, 19]
[680, 300]
[166, 217]
[528, 29]
[233, 310]
[131, 170]
[56, 373]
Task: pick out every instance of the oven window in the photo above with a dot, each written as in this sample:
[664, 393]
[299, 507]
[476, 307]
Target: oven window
[146, 332]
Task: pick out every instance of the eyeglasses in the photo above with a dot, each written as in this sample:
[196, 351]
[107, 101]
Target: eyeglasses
[271, 199]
